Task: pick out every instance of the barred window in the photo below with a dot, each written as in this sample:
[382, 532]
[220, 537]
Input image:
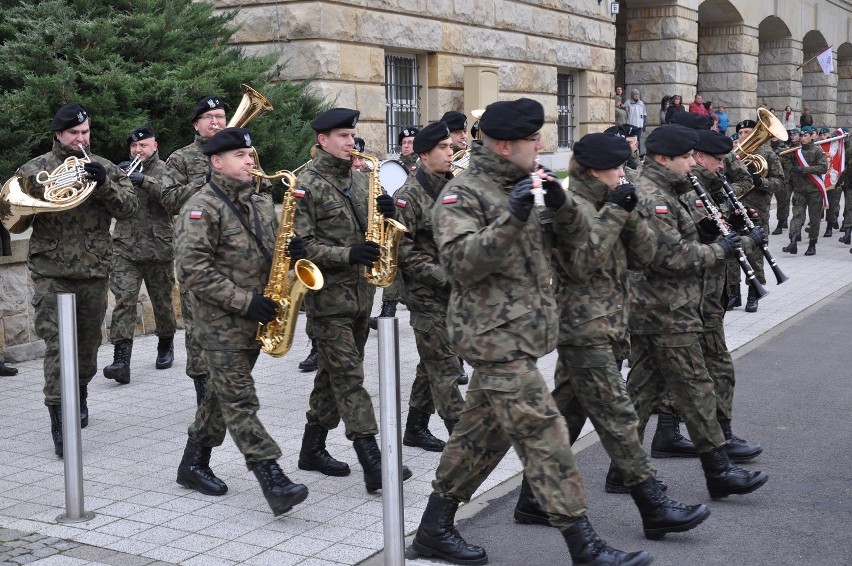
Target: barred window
[565, 109]
[402, 95]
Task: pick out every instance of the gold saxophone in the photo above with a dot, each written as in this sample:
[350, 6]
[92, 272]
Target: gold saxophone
[287, 290]
[386, 232]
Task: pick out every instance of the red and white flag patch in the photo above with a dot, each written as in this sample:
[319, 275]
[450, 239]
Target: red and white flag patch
[450, 198]
[661, 209]
[299, 193]
[699, 203]
[195, 215]
[401, 203]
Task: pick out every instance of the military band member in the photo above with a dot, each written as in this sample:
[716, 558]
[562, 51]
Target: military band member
[70, 252]
[143, 251]
[502, 317]
[633, 165]
[406, 148]
[808, 165]
[226, 238]
[332, 218]
[457, 123]
[845, 184]
[783, 195]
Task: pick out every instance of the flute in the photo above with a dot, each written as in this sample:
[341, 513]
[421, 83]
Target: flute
[537, 191]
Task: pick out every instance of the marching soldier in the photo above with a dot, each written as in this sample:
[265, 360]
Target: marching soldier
[226, 236]
[406, 148]
[843, 183]
[143, 251]
[81, 233]
[783, 195]
[808, 165]
[457, 123]
[502, 317]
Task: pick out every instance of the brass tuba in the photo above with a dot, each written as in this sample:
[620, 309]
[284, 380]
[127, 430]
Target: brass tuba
[768, 127]
[386, 232]
[65, 187]
[461, 158]
[287, 290]
[252, 104]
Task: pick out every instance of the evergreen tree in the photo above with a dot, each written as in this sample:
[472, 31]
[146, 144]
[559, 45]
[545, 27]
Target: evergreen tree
[133, 62]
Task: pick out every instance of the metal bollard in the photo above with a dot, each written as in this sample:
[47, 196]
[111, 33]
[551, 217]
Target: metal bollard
[391, 446]
[68, 370]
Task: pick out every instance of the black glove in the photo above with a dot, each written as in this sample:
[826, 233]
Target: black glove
[707, 226]
[624, 196]
[756, 180]
[262, 309]
[124, 165]
[386, 204]
[757, 235]
[730, 244]
[735, 220]
[136, 178]
[521, 199]
[96, 171]
[296, 248]
[797, 169]
[365, 253]
[554, 197]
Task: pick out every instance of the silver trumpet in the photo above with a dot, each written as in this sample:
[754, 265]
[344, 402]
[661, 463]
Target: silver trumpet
[136, 163]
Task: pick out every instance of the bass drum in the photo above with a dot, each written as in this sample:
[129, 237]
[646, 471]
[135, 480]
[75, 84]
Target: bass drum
[392, 174]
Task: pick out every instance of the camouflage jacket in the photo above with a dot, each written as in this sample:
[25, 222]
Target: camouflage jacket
[591, 281]
[818, 165]
[633, 168]
[76, 243]
[502, 306]
[843, 180]
[737, 174]
[220, 261]
[331, 215]
[668, 292]
[149, 235]
[410, 162]
[189, 168]
[426, 283]
[760, 197]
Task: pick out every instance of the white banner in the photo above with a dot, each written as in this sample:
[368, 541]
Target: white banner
[826, 61]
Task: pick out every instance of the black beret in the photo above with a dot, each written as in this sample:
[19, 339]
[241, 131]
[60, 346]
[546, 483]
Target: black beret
[601, 151]
[793, 132]
[454, 120]
[207, 104]
[713, 143]
[335, 118]
[672, 140]
[141, 133]
[690, 120]
[430, 136]
[360, 144]
[68, 116]
[615, 130]
[228, 139]
[512, 119]
[623, 131]
[746, 124]
[406, 133]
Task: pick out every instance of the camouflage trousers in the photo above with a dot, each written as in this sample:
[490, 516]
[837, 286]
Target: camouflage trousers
[754, 255]
[338, 391]
[125, 282]
[676, 362]
[847, 206]
[436, 381]
[833, 212]
[782, 198]
[231, 404]
[510, 405]
[809, 203]
[588, 384]
[196, 361]
[395, 292]
[91, 302]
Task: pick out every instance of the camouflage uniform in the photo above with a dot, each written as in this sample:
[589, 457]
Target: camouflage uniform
[428, 292]
[70, 252]
[846, 184]
[410, 162]
[591, 290]
[502, 317]
[665, 319]
[806, 195]
[144, 250]
[332, 217]
[220, 263]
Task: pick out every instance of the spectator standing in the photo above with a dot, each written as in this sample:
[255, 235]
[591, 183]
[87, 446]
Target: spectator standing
[637, 115]
[675, 106]
[697, 106]
[664, 105]
[806, 119]
[620, 112]
[723, 118]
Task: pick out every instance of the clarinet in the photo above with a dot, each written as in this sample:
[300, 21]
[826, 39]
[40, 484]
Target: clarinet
[759, 289]
[732, 196]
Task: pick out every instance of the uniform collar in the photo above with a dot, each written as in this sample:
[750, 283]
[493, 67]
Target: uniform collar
[327, 164]
[500, 169]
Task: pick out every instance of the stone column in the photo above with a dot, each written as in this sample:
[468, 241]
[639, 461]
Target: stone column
[779, 76]
[844, 93]
[819, 91]
[728, 67]
[661, 54]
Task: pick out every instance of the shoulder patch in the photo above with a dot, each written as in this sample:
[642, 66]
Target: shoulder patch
[450, 198]
[195, 214]
[699, 203]
[299, 192]
[661, 209]
[402, 203]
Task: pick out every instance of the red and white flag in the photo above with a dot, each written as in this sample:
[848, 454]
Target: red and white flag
[835, 151]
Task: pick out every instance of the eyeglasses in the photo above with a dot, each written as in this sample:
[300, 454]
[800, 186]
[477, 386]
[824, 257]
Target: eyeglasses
[220, 117]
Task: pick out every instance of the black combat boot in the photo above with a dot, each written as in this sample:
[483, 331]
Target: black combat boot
[791, 248]
[463, 379]
[165, 352]
[200, 388]
[668, 441]
[828, 231]
[724, 479]
[7, 371]
[388, 309]
[417, 432]
[436, 535]
[846, 238]
[56, 428]
[811, 247]
[527, 509]
[310, 363]
[661, 515]
[738, 450]
[84, 406]
[587, 548]
[315, 457]
[370, 458]
[735, 299]
[450, 424]
[119, 369]
[615, 481]
[751, 302]
[281, 493]
[194, 471]
[778, 229]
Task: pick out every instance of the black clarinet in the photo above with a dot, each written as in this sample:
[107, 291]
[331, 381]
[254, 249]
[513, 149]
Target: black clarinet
[755, 285]
[732, 196]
